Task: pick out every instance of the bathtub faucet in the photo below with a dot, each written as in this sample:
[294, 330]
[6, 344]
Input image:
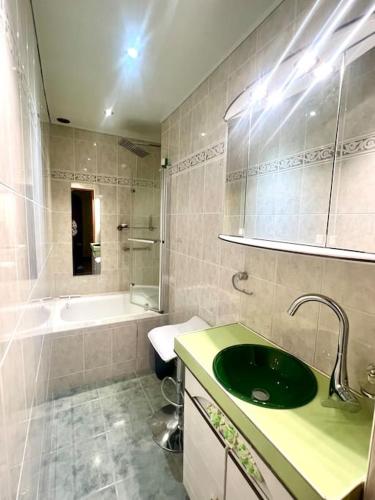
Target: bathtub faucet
[69, 298]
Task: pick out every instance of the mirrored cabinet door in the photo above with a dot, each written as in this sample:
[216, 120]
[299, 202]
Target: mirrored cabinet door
[352, 214]
[301, 150]
[290, 163]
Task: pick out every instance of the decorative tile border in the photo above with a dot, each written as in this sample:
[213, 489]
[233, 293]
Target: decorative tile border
[312, 157]
[102, 179]
[359, 145]
[213, 151]
[62, 175]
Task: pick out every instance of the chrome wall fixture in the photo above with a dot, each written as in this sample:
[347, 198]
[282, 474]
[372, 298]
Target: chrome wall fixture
[150, 226]
[127, 249]
[340, 395]
[240, 276]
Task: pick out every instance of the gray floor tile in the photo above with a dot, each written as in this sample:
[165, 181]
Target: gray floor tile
[78, 397]
[127, 447]
[108, 493]
[88, 421]
[157, 485]
[100, 447]
[93, 466]
[61, 434]
[123, 385]
[124, 407]
[56, 480]
[152, 387]
[74, 425]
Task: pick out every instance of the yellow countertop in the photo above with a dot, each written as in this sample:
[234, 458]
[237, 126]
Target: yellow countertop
[317, 452]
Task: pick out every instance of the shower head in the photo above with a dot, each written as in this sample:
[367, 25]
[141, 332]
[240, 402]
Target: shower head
[137, 146]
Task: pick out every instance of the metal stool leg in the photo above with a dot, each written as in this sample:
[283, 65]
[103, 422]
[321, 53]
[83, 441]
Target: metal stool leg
[167, 423]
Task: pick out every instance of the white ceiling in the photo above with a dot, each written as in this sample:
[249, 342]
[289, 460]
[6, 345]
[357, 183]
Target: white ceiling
[83, 51]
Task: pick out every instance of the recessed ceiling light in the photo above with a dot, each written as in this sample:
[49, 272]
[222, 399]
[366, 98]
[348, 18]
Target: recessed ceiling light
[63, 120]
[312, 113]
[203, 134]
[108, 112]
[132, 52]
[94, 143]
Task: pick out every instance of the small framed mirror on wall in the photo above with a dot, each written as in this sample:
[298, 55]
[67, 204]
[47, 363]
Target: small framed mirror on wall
[86, 247]
[301, 150]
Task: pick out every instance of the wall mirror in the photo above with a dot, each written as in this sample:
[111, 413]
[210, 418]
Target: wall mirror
[301, 152]
[85, 230]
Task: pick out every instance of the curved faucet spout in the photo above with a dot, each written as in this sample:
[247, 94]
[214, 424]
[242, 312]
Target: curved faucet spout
[339, 385]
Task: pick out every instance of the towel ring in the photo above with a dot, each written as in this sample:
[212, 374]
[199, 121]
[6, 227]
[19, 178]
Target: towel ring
[241, 275]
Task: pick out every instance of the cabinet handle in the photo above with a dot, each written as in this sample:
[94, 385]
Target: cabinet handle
[233, 440]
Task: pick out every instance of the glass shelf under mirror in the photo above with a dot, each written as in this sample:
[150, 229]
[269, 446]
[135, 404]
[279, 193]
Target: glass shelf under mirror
[280, 246]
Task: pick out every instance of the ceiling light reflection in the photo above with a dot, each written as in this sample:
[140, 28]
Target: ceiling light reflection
[306, 63]
[132, 52]
[259, 92]
[322, 71]
[275, 98]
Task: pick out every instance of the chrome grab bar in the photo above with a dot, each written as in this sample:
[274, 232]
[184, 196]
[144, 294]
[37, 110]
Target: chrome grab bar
[144, 240]
[126, 249]
[120, 227]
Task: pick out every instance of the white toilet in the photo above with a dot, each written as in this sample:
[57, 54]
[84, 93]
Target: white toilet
[167, 423]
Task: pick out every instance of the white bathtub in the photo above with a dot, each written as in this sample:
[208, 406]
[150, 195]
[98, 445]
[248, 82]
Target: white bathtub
[90, 310]
[41, 317]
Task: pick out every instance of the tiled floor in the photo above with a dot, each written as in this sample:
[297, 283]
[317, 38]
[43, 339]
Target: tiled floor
[99, 446]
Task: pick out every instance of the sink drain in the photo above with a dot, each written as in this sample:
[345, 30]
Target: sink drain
[260, 394]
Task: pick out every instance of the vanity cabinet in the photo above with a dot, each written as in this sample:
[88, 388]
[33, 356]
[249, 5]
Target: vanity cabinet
[219, 464]
[204, 457]
[237, 486]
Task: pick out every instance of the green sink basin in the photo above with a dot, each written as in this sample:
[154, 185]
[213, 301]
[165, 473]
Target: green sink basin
[265, 376]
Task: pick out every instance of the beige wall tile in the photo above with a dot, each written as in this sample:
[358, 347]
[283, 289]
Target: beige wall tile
[63, 386]
[124, 341]
[211, 243]
[97, 348]
[299, 273]
[352, 284]
[214, 187]
[296, 334]
[85, 157]
[119, 371]
[67, 356]
[106, 159]
[144, 348]
[62, 153]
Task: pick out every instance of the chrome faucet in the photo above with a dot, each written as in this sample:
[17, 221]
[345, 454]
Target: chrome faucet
[339, 392]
